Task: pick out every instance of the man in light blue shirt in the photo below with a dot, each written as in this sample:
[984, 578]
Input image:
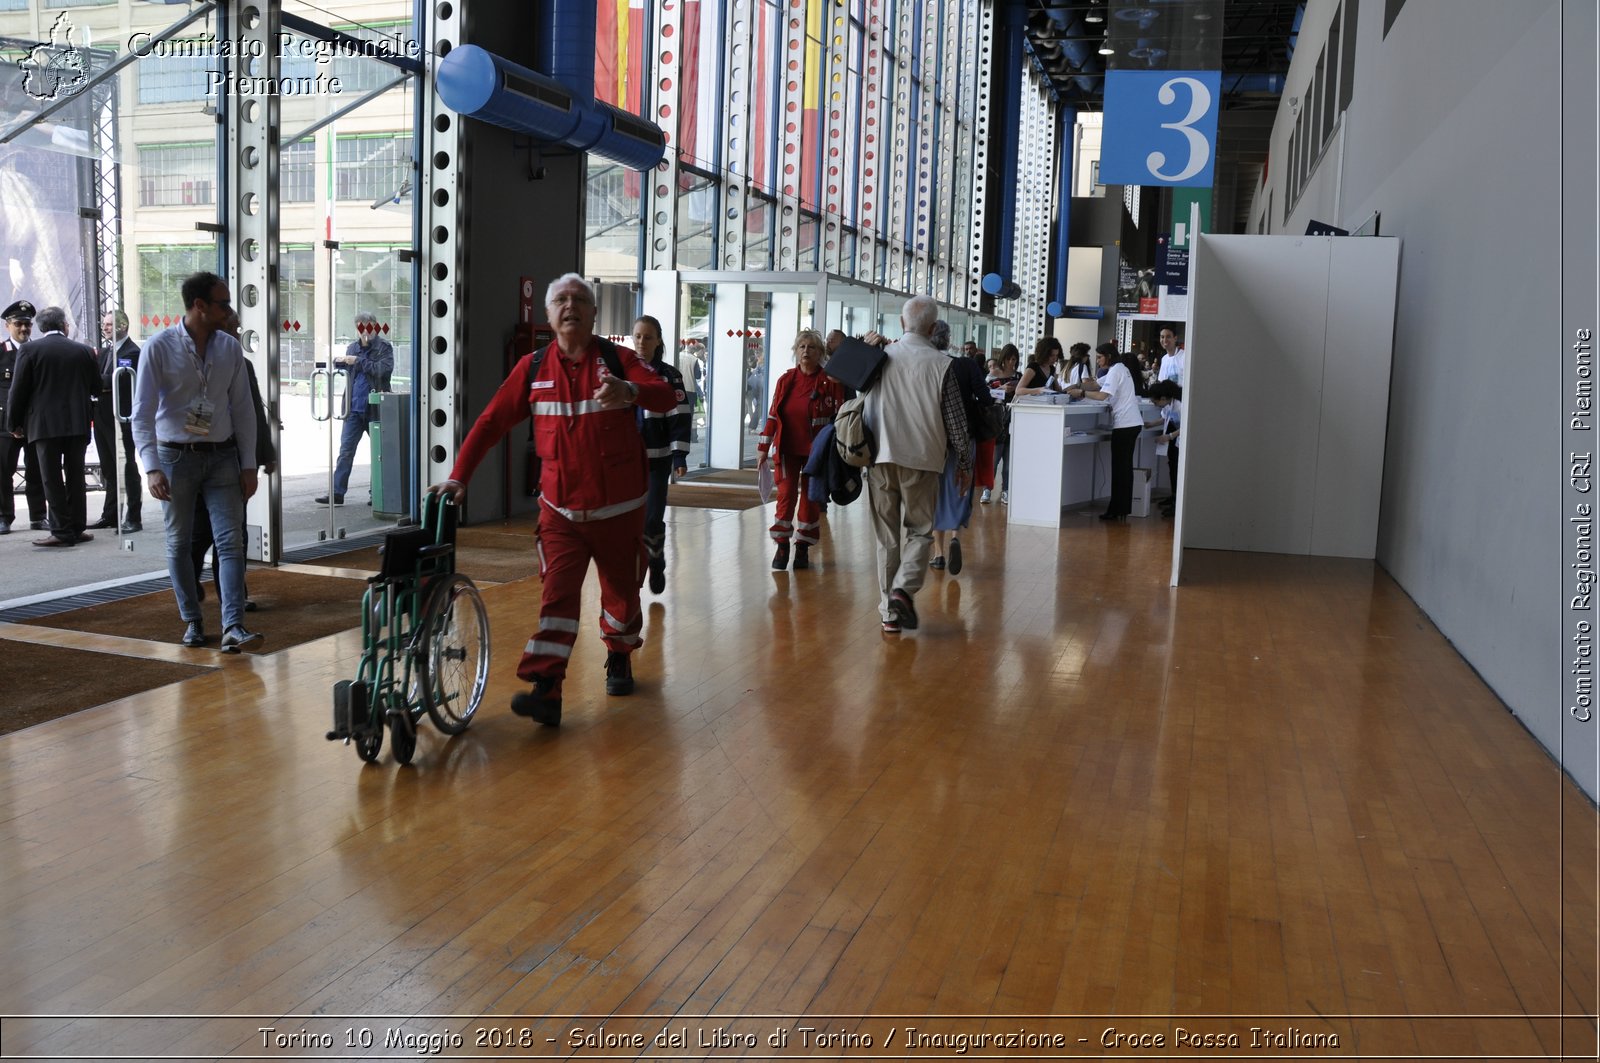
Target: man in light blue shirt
[192, 418]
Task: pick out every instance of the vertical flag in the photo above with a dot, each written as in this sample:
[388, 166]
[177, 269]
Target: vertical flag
[760, 93]
[689, 84]
[631, 44]
[810, 120]
[608, 68]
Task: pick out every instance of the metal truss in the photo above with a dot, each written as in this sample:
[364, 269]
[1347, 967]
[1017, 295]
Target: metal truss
[737, 150]
[983, 85]
[666, 105]
[250, 219]
[441, 358]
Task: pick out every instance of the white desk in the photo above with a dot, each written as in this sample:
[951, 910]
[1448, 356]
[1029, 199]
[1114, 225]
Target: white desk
[1056, 455]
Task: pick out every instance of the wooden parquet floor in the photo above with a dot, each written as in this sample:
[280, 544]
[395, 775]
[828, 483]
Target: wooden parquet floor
[1076, 808]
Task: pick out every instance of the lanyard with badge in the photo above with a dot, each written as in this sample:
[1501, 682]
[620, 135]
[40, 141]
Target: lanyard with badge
[197, 419]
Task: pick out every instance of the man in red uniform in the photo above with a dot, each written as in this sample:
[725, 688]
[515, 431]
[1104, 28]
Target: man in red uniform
[593, 482]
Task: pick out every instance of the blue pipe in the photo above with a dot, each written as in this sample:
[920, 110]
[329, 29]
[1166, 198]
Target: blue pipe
[565, 51]
[1009, 62]
[565, 47]
[1084, 58]
[482, 85]
[1066, 123]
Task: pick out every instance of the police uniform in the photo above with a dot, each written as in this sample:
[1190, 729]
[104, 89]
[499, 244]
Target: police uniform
[12, 447]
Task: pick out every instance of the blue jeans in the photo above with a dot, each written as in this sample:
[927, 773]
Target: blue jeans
[214, 476]
[355, 426]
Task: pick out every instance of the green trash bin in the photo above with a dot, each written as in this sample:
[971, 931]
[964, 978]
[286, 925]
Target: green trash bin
[391, 453]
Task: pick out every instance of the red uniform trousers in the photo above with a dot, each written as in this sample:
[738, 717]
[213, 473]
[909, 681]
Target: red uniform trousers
[616, 546]
[983, 468]
[802, 528]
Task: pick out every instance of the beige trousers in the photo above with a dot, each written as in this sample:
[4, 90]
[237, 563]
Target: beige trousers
[903, 501]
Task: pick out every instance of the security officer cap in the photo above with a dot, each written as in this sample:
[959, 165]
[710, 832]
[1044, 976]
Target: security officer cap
[21, 310]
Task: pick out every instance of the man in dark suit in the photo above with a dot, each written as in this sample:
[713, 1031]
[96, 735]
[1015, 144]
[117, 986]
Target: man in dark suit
[18, 318]
[55, 383]
[117, 352]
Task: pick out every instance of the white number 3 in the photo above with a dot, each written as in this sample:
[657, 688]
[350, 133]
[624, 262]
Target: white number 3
[1199, 148]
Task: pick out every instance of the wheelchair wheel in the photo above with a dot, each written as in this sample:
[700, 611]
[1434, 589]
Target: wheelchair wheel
[369, 742]
[453, 652]
[353, 720]
[402, 739]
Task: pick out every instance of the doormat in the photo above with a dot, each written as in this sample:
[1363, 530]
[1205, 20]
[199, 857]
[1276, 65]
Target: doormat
[485, 554]
[699, 497]
[51, 681]
[293, 608]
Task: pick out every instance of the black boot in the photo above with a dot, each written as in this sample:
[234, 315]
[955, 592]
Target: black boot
[538, 705]
[780, 558]
[802, 556]
[619, 673]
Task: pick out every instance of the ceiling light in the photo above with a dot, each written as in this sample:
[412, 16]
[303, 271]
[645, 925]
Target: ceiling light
[1106, 49]
[1202, 16]
[1094, 16]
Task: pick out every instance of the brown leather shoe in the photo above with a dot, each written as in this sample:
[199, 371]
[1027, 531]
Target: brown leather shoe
[51, 540]
[84, 537]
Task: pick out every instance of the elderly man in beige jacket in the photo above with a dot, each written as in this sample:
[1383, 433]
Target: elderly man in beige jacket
[916, 413]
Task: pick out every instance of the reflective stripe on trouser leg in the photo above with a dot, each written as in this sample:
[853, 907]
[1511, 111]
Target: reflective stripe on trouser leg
[563, 562]
[786, 477]
[807, 512]
[618, 549]
[655, 507]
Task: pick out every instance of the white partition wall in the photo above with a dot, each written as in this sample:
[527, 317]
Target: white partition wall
[1287, 394]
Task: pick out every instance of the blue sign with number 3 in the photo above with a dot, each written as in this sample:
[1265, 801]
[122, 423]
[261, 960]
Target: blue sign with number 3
[1160, 127]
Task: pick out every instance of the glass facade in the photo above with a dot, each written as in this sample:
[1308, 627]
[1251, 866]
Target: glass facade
[840, 135]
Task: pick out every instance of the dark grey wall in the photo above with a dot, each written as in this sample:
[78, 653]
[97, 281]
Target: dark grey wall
[516, 225]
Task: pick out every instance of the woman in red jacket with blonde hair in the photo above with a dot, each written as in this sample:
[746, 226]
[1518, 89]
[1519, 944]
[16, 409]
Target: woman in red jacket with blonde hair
[805, 400]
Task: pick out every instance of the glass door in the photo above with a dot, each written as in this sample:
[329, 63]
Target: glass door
[694, 362]
[346, 172]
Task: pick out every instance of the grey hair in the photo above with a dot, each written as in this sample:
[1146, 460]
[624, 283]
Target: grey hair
[809, 334]
[919, 314]
[566, 279]
[366, 315]
[51, 319]
[940, 335]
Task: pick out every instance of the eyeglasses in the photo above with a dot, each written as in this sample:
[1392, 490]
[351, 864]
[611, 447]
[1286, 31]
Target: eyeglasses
[573, 299]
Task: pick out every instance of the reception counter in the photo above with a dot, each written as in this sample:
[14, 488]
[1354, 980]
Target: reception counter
[1060, 457]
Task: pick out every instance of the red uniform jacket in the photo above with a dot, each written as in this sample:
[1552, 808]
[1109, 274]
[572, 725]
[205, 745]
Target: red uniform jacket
[592, 460]
[826, 395]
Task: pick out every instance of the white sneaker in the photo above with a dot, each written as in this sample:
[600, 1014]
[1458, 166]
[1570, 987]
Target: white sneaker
[985, 498]
[1004, 499]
